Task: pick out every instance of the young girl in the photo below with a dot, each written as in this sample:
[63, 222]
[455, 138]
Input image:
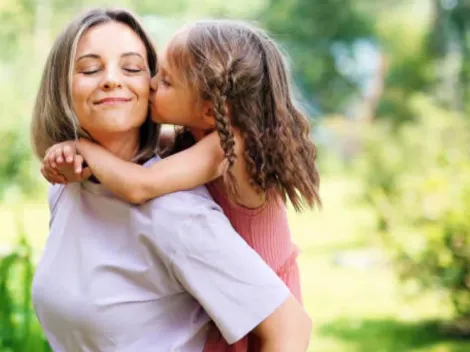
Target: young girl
[228, 77]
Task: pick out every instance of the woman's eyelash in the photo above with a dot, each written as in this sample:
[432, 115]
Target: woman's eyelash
[133, 70]
[90, 72]
[130, 70]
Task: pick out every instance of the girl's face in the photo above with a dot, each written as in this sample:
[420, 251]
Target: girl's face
[110, 83]
[172, 101]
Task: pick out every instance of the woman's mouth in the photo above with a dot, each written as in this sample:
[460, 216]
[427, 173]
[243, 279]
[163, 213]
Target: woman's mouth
[112, 101]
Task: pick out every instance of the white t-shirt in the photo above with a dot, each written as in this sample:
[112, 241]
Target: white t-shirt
[123, 278]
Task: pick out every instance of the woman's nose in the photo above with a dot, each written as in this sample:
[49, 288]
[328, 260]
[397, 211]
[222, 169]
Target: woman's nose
[111, 79]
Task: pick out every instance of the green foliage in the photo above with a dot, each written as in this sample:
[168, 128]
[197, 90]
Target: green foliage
[16, 163]
[410, 67]
[17, 168]
[312, 31]
[418, 183]
[19, 330]
[16, 17]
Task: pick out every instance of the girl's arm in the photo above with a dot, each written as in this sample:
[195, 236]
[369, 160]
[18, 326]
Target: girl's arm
[192, 167]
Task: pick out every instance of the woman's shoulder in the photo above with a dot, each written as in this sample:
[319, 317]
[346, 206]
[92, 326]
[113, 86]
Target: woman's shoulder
[56, 192]
[189, 200]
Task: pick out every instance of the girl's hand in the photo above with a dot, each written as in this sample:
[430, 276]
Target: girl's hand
[62, 164]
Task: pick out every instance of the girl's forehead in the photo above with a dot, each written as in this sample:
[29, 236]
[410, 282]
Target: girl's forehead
[163, 62]
[165, 67]
[174, 65]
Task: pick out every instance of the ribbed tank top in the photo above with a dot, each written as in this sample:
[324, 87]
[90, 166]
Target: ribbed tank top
[265, 229]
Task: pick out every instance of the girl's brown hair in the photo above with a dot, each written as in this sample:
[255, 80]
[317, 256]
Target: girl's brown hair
[54, 120]
[235, 65]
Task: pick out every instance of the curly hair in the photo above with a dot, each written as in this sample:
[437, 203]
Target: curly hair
[241, 69]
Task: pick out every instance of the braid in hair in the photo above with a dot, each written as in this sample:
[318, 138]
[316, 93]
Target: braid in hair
[220, 90]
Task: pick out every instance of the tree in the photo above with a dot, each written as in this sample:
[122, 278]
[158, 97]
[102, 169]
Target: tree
[318, 35]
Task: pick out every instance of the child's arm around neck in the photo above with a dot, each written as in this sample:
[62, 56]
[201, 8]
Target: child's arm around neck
[137, 184]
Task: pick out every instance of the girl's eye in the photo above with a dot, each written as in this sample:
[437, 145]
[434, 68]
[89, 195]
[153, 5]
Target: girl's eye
[165, 82]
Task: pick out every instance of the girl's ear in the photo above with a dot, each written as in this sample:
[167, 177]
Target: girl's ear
[208, 115]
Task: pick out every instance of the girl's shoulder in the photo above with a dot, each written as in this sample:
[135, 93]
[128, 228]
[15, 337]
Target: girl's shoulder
[271, 206]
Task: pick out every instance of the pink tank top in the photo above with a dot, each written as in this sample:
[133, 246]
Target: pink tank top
[265, 229]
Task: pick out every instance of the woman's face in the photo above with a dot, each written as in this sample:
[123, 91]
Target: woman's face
[110, 83]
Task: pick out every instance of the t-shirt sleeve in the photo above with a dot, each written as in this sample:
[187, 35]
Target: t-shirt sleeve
[217, 267]
[55, 191]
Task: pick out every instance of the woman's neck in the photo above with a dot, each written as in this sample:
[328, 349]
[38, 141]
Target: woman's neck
[123, 145]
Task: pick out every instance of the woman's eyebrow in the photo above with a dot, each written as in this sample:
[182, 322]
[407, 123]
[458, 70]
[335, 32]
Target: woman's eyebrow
[132, 53]
[86, 56]
[95, 56]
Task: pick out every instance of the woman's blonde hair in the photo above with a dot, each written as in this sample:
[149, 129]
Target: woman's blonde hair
[54, 120]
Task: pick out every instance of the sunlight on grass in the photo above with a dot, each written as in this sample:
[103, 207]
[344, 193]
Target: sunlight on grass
[354, 308]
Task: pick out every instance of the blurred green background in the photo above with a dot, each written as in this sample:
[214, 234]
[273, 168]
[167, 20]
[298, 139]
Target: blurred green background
[386, 263]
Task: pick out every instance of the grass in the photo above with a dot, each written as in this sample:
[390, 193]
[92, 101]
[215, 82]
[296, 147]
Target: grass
[359, 307]
[355, 307]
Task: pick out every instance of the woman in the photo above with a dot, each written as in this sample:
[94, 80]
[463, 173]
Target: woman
[115, 277]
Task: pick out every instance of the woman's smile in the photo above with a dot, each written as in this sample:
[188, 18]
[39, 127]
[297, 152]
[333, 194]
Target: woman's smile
[112, 101]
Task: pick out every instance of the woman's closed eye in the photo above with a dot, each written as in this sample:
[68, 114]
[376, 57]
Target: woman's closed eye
[93, 70]
[133, 69]
[90, 71]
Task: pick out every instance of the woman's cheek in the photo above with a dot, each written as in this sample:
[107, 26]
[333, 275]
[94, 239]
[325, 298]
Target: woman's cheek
[145, 87]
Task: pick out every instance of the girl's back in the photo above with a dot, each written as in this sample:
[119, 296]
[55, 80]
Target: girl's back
[265, 229]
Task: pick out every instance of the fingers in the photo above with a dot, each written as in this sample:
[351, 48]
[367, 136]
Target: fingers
[77, 164]
[49, 159]
[68, 152]
[74, 172]
[86, 174]
[59, 155]
[49, 168]
[82, 173]
[61, 164]
[53, 178]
